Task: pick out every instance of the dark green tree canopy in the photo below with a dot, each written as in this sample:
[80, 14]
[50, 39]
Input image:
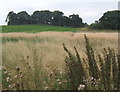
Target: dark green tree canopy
[24, 17]
[109, 20]
[11, 18]
[76, 20]
[44, 17]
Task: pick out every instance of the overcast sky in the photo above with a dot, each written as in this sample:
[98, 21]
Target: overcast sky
[89, 10]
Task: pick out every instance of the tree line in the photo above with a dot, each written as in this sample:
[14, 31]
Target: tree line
[109, 20]
[45, 17]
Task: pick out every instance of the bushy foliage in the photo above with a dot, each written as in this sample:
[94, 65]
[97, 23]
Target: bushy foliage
[45, 17]
[109, 20]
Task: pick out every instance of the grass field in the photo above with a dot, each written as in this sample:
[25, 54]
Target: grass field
[35, 28]
[45, 28]
[34, 58]
[45, 54]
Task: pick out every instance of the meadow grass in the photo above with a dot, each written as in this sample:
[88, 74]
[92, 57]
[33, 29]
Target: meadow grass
[35, 28]
[38, 59]
[45, 28]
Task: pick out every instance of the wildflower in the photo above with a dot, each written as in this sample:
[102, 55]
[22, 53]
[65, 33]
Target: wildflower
[5, 72]
[8, 78]
[51, 72]
[10, 73]
[5, 89]
[21, 76]
[92, 78]
[81, 87]
[13, 84]
[16, 76]
[44, 81]
[10, 86]
[61, 72]
[58, 80]
[4, 68]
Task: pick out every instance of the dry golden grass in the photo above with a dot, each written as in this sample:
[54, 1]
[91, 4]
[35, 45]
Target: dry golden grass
[50, 48]
[21, 50]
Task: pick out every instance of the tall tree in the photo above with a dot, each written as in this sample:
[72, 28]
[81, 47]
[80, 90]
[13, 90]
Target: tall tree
[24, 18]
[12, 18]
[66, 21]
[57, 18]
[76, 21]
[109, 20]
[44, 17]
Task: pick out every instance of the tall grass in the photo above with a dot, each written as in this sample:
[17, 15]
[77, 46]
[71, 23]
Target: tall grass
[41, 63]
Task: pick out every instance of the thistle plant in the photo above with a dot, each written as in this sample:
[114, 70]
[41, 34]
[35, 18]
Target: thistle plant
[75, 69]
[103, 71]
[93, 67]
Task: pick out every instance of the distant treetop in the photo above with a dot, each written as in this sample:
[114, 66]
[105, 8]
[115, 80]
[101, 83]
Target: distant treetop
[109, 20]
[44, 17]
